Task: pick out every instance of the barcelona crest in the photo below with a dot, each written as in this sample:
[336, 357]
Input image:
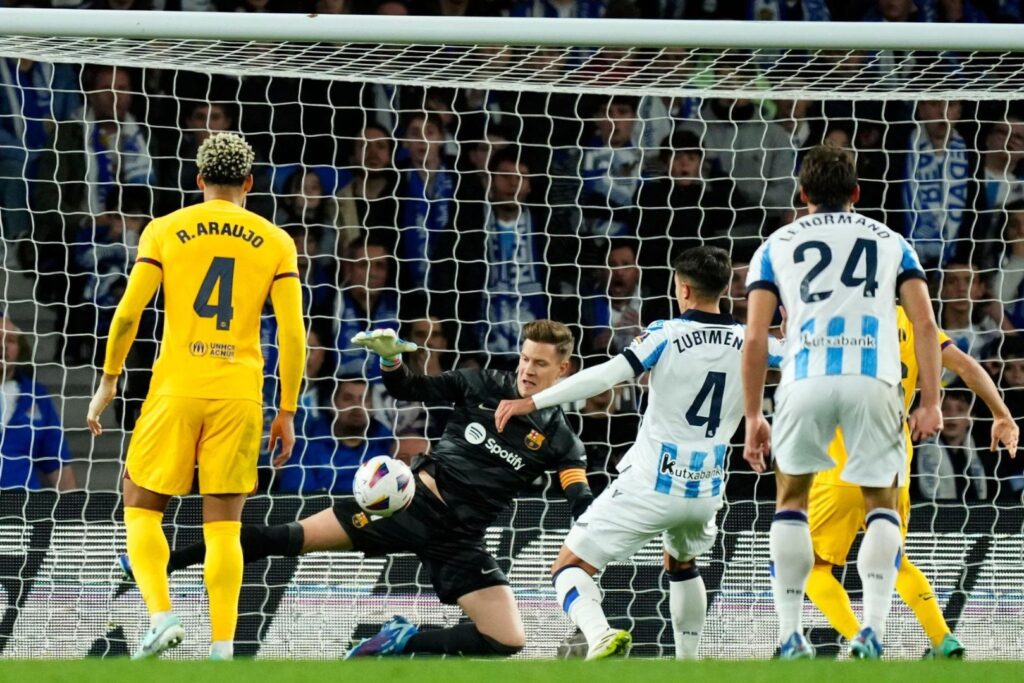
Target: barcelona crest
[534, 440]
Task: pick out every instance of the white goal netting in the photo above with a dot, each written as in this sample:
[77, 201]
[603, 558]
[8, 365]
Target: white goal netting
[455, 192]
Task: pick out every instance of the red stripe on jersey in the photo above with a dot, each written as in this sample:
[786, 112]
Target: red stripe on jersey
[281, 275]
[150, 261]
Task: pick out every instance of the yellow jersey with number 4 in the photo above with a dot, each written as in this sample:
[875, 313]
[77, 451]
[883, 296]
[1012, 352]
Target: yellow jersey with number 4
[908, 383]
[219, 262]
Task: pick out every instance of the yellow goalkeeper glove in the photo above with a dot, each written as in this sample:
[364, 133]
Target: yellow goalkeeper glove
[385, 343]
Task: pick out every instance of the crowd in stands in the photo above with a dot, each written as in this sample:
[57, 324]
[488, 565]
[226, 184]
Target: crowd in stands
[455, 216]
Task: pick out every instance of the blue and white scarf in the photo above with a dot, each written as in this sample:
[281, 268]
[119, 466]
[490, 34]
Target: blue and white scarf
[123, 157]
[936, 195]
[426, 211]
[514, 292]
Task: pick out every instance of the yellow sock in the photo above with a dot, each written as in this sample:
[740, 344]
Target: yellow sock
[223, 574]
[830, 597]
[149, 553]
[917, 592]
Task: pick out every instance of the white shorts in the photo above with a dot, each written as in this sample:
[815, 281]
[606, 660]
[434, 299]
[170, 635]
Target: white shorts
[870, 413]
[625, 518]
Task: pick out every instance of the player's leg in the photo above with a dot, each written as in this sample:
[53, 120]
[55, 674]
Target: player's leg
[623, 519]
[147, 547]
[580, 598]
[222, 569]
[835, 515]
[226, 456]
[872, 422]
[496, 628]
[805, 421]
[160, 463]
[915, 589]
[792, 556]
[313, 534]
[687, 604]
[692, 535]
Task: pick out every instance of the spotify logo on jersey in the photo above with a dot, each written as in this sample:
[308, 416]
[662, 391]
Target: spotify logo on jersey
[475, 433]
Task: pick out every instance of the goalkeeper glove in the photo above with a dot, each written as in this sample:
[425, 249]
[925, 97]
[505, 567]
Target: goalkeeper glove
[385, 343]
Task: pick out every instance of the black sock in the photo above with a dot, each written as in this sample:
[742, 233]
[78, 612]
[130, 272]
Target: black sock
[257, 542]
[464, 639]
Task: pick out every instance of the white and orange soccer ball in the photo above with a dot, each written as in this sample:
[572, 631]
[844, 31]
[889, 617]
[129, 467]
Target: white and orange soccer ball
[383, 486]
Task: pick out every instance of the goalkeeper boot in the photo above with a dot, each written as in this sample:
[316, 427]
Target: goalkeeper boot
[796, 647]
[866, 645]
[612, 644]
[125, 565]
[390, 640]
[164, 636]
[949, 648]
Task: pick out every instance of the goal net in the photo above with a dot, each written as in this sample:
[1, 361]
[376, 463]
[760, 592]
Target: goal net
[454, 180]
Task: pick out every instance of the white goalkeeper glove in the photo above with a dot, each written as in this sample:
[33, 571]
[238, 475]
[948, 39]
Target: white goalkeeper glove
[385, 343]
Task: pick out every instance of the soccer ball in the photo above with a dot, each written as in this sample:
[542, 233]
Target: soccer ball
[383, 486]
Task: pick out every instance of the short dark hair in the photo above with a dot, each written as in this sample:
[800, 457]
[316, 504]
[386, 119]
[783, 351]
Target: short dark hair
[707, 269]
[681, 141]
[550, 332]
[827, 176]
[511, 154]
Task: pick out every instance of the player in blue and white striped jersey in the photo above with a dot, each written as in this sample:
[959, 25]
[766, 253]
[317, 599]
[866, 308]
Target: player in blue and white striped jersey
[837, 274]
[671, 480]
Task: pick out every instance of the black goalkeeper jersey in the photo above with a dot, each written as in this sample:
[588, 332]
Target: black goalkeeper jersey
[479, 471]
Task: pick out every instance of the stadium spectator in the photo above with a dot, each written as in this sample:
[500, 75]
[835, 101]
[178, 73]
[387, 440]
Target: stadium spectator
[1000, 160]
[328, 462]
[621, 305]
[951, 467]
[900, 11]
[33, 451]
[501, 259]
[84, 161]
[1010, 274]
[306, 199]
[959, 12]
[332, 7]
[737, 294]
[430, 358]
[427, 196]
[756, 153]
[1010, 376]
[409, 444]
[392, 8]
[369, 197]
[319, 382]
[966, 311]
[935, 186]
[684, 209]
[178, 170]
[572, 9]
[611, 167]
[102, 252]
[317, 271]
[33, 97]
[366, 299]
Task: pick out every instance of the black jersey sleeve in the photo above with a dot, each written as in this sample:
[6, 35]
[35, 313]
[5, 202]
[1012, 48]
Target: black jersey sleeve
[406, 385]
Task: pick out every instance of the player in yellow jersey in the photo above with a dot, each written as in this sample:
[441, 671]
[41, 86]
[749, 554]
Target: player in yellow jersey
[836, 510]
[217, 264]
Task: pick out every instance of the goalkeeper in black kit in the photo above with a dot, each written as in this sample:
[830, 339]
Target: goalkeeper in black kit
[462, 486]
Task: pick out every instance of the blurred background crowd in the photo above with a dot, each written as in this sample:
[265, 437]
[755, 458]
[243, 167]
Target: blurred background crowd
[456, 215]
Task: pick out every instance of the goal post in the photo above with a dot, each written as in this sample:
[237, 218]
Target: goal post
[393, 139]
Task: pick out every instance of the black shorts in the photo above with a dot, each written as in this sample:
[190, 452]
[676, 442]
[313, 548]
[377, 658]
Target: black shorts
[456, 557]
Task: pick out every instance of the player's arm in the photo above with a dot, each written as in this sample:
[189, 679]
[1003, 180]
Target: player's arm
[926, 421]
[143, 282]
[572, 473]
[286, 299]
[404, 384]
[762, 301]
[584, 384]
[761, 305]
[1004, 429]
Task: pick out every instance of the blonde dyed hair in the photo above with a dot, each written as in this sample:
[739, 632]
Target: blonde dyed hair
[225, 159]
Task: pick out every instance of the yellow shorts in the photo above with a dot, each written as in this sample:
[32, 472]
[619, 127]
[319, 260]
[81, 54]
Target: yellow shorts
[836, 515]
[175, 434]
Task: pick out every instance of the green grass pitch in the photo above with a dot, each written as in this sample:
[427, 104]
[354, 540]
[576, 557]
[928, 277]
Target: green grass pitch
[455, 671]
